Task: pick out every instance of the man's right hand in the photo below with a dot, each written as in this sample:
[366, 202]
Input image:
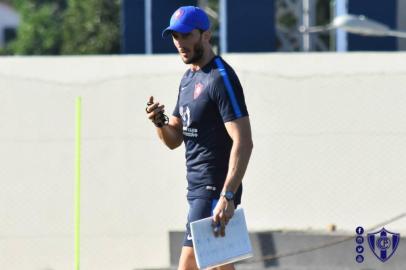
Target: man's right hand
[154, 110]
[169, 130]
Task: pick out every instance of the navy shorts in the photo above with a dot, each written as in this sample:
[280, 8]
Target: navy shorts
[198, 209]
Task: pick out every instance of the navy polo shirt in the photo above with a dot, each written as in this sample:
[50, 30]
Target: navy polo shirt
[207, 99]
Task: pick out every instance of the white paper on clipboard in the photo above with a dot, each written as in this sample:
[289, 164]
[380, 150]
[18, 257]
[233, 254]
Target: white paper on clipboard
[211, 251]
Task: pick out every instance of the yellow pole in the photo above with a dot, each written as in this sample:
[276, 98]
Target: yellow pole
[77, 181]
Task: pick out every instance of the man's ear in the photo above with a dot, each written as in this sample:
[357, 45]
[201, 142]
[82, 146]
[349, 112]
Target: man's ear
[207, 36]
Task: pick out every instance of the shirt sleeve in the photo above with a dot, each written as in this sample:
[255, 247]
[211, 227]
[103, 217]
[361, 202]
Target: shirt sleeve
[227, 94]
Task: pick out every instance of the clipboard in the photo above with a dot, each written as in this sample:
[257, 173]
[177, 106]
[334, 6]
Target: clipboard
[211, 251]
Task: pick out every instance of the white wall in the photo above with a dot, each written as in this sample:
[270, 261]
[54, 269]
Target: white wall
[330, 147]
[8, 18]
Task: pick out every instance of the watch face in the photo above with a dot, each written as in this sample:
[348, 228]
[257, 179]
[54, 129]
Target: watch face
[229, 195]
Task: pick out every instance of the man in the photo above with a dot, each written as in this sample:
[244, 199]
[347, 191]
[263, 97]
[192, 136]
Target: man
[211, 118]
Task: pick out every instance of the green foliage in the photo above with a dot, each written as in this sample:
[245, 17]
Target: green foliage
[39, 31]
[52, 27]
[91, 27]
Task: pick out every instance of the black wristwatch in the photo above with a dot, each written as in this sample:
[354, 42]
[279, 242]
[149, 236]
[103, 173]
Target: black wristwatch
[229, 195]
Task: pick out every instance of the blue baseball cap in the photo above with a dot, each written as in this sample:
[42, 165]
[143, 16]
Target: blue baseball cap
[187, 18]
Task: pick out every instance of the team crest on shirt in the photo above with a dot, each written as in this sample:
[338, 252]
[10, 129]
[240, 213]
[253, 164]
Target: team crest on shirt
[198, 90]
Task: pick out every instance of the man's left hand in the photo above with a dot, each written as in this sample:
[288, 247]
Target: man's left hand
[222, 214]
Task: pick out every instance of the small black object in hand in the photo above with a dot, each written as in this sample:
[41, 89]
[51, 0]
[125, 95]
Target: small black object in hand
[160, 118]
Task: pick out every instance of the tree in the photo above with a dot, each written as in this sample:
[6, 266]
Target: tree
[39, 31]
[91, 27]
[53, 27]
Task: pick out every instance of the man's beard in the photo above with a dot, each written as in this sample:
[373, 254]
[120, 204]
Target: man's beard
[198, 54]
